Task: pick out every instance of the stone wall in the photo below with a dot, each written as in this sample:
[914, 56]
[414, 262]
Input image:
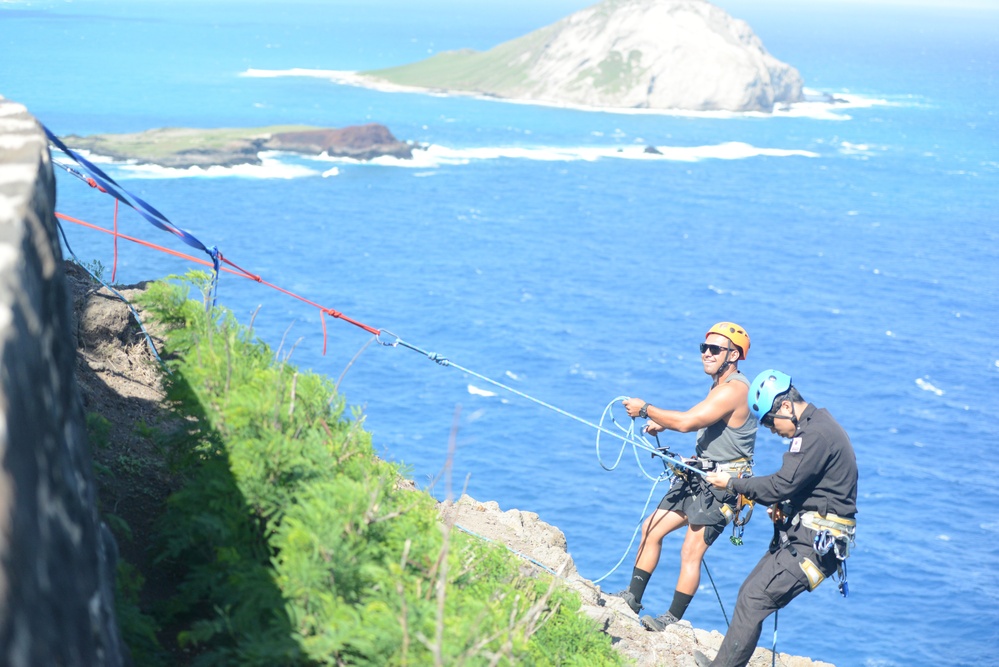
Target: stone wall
[57, 559]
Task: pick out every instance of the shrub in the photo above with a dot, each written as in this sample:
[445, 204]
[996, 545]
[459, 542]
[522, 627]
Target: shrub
[297, 545]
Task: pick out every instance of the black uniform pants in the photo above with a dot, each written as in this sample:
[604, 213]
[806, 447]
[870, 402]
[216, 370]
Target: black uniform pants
[774, 582]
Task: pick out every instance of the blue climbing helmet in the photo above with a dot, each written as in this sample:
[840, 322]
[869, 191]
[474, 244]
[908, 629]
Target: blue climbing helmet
[767, 386]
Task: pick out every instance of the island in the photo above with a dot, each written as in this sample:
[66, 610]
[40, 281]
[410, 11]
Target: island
[618, 54]
[188, 147]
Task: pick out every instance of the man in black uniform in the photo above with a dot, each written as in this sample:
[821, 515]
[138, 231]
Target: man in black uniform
[814, 498]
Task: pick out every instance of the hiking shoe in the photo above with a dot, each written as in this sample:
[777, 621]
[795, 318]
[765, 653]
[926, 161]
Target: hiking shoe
[628, 597]
[702, 660]
[659, 623]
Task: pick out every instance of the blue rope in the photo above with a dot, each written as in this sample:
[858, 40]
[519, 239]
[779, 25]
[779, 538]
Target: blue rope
[704, 562]
[514, 551]
[135, 314]
[667, 457]
[133, 201]
[634, 534]
[630, 435]
[213, 289]
[639, 443]
[773, 652]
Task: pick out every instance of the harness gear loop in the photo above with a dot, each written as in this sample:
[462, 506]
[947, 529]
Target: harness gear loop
[829, 533]
[832, 533]
[739, 468]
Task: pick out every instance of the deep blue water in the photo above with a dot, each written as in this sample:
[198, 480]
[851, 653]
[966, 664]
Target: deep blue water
[858, 246]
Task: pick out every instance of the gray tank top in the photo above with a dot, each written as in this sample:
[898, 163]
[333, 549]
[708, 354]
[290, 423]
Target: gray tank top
[720, 442]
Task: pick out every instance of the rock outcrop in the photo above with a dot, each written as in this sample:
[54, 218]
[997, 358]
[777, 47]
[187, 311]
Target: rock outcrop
[57, 560]
[645, 54]
[360, 142]
[182, 148]
[543, 546]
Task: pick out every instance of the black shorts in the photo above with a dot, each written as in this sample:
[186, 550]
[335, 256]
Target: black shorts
[701, 503]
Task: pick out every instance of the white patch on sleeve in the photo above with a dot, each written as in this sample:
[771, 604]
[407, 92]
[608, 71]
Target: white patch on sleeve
[795, 445]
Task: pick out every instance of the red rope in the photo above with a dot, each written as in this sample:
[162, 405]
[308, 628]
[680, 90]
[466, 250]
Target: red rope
[196, 260]
[236, 270]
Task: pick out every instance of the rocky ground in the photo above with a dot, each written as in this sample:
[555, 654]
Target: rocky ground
[119, 380]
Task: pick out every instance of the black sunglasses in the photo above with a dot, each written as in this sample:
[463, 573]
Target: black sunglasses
[767, 420]
[715, 350]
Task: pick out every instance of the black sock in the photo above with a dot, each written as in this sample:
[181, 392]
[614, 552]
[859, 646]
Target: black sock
[639, 580]
[680, 603]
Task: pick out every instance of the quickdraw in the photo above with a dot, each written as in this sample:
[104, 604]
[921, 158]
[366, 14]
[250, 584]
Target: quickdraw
[739, 522]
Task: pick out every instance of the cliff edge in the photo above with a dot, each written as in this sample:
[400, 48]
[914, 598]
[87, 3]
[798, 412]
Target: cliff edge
[117, 374]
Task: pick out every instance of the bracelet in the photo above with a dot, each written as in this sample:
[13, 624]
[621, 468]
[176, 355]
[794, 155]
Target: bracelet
[644, 412]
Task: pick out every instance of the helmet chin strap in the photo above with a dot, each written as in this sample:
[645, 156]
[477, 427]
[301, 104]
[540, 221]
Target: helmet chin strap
[728, 362]
[793, 417]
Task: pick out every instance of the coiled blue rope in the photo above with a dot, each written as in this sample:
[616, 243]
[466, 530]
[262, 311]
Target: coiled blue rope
[389, 339]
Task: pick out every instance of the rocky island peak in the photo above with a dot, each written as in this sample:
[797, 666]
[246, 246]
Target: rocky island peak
[620, 54]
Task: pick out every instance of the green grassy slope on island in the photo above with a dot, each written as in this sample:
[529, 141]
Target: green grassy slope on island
[499, 71]
[157, 145]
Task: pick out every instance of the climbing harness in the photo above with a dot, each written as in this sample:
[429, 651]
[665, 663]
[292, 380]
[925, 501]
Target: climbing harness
[832, 533]
[741, 467]
[829, 533]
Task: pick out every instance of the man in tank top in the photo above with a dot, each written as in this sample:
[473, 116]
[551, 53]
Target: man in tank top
[726, 435]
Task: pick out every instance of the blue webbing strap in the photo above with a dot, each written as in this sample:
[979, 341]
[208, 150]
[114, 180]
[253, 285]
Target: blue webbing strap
[143, 208]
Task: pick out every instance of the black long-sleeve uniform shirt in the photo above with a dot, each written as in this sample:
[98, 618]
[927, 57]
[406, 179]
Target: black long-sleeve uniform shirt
[819, 470]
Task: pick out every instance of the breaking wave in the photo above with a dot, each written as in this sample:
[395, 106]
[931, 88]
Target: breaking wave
[278, 165]
[816, 105]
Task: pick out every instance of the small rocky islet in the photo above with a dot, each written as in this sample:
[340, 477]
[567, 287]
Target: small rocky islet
[183, 148]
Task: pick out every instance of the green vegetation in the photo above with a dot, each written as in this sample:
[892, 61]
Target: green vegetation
[289, 542]
[159, 144]
[501, 70]
[614, 74]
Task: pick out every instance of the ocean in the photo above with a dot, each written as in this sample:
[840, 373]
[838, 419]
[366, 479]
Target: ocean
[545, 250]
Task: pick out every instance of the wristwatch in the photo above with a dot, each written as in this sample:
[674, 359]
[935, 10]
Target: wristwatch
[644, 412]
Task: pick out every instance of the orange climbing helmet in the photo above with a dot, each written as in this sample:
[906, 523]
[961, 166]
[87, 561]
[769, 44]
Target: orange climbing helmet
[734, 333]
